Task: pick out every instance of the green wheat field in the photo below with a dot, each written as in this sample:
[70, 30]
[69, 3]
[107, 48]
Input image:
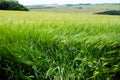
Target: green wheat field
[59, 46]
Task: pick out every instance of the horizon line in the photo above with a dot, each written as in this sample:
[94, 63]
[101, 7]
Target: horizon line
[71, 3]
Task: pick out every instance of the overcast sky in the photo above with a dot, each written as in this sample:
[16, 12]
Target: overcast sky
[30, 2]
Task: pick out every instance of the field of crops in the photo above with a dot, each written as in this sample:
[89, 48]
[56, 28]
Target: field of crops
[59, 46]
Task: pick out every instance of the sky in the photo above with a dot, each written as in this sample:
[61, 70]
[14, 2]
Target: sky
[31, 2]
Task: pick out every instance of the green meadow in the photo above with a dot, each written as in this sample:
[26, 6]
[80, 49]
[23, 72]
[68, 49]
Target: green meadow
[59, 46]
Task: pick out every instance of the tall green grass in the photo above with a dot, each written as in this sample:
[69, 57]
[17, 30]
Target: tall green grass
[59, 46]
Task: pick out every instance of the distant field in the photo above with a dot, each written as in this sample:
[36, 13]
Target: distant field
[68, 10]
[104, 6]
[93, 8]
[59, 46]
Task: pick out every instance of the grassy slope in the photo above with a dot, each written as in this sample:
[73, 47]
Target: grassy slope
[59, 46]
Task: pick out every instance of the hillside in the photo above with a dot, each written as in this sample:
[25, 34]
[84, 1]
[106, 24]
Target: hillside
[75, 8]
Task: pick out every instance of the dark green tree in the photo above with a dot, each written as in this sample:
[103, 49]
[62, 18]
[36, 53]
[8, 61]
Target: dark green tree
[11, 5]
